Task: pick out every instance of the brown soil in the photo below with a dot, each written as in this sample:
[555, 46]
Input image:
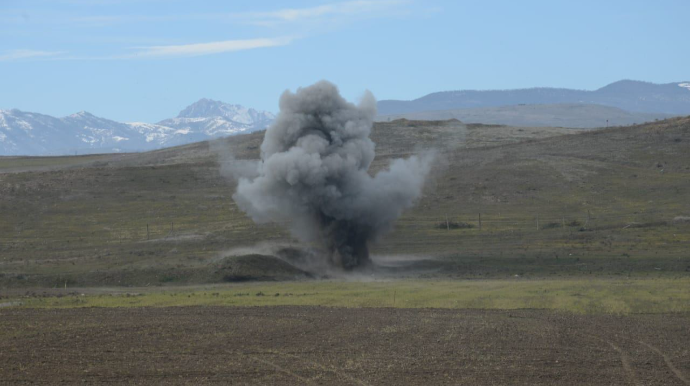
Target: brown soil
[317, 345]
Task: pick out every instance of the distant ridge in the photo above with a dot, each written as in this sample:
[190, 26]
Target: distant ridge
[629, 95]
[571, 115]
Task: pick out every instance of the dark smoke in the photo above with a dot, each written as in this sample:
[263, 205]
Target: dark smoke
[313, 175]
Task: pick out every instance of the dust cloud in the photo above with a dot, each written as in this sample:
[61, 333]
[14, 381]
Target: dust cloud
[313, 175]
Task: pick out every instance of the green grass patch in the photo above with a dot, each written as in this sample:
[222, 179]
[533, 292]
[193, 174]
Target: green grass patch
[578, 296]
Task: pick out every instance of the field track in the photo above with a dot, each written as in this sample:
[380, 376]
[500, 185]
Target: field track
[321, 345]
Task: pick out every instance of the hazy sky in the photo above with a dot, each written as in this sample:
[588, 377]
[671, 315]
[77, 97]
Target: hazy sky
[146, 60]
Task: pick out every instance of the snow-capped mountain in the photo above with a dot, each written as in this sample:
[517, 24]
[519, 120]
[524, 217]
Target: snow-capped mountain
[25, 133]
[215, 119]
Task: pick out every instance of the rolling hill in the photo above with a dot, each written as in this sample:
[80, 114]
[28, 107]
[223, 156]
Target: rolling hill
[501, 201]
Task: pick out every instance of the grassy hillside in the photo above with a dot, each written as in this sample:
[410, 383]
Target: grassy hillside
[553, 203]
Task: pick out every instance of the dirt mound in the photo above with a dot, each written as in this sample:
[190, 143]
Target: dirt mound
[681, 219]
[298, 256]
[255, 267]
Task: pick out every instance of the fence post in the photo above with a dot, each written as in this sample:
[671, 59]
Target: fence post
[480, 221]
[447, 224]
[147, 231]
[537, 221]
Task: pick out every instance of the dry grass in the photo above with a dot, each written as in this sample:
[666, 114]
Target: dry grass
[85, 220]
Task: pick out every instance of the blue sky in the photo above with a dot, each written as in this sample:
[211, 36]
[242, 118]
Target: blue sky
[146, 60]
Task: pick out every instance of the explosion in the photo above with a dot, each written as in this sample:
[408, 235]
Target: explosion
[313, 175]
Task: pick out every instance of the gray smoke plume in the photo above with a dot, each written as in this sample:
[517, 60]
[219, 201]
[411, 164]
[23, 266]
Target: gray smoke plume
[313, 175]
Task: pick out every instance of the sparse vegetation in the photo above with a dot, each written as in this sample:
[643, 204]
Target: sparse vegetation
[137, 234]
[144, 219]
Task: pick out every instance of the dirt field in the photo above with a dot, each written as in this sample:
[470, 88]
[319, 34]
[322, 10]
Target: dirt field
[320, 345]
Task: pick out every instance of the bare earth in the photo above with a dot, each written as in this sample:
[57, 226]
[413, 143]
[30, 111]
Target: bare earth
[319, 345]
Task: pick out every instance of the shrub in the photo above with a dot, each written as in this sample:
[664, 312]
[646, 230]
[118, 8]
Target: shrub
[168, 279]
[454, 225]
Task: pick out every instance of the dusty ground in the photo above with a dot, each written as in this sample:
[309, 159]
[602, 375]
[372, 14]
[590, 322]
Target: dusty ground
[317, 345]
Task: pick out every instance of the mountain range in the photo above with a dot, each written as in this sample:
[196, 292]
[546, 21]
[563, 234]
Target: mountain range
[629, 95]
[571, 115]
[26, 133]
[620, 103]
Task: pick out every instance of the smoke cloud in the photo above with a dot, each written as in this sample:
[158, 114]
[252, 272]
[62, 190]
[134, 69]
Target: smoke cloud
[313, 175]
